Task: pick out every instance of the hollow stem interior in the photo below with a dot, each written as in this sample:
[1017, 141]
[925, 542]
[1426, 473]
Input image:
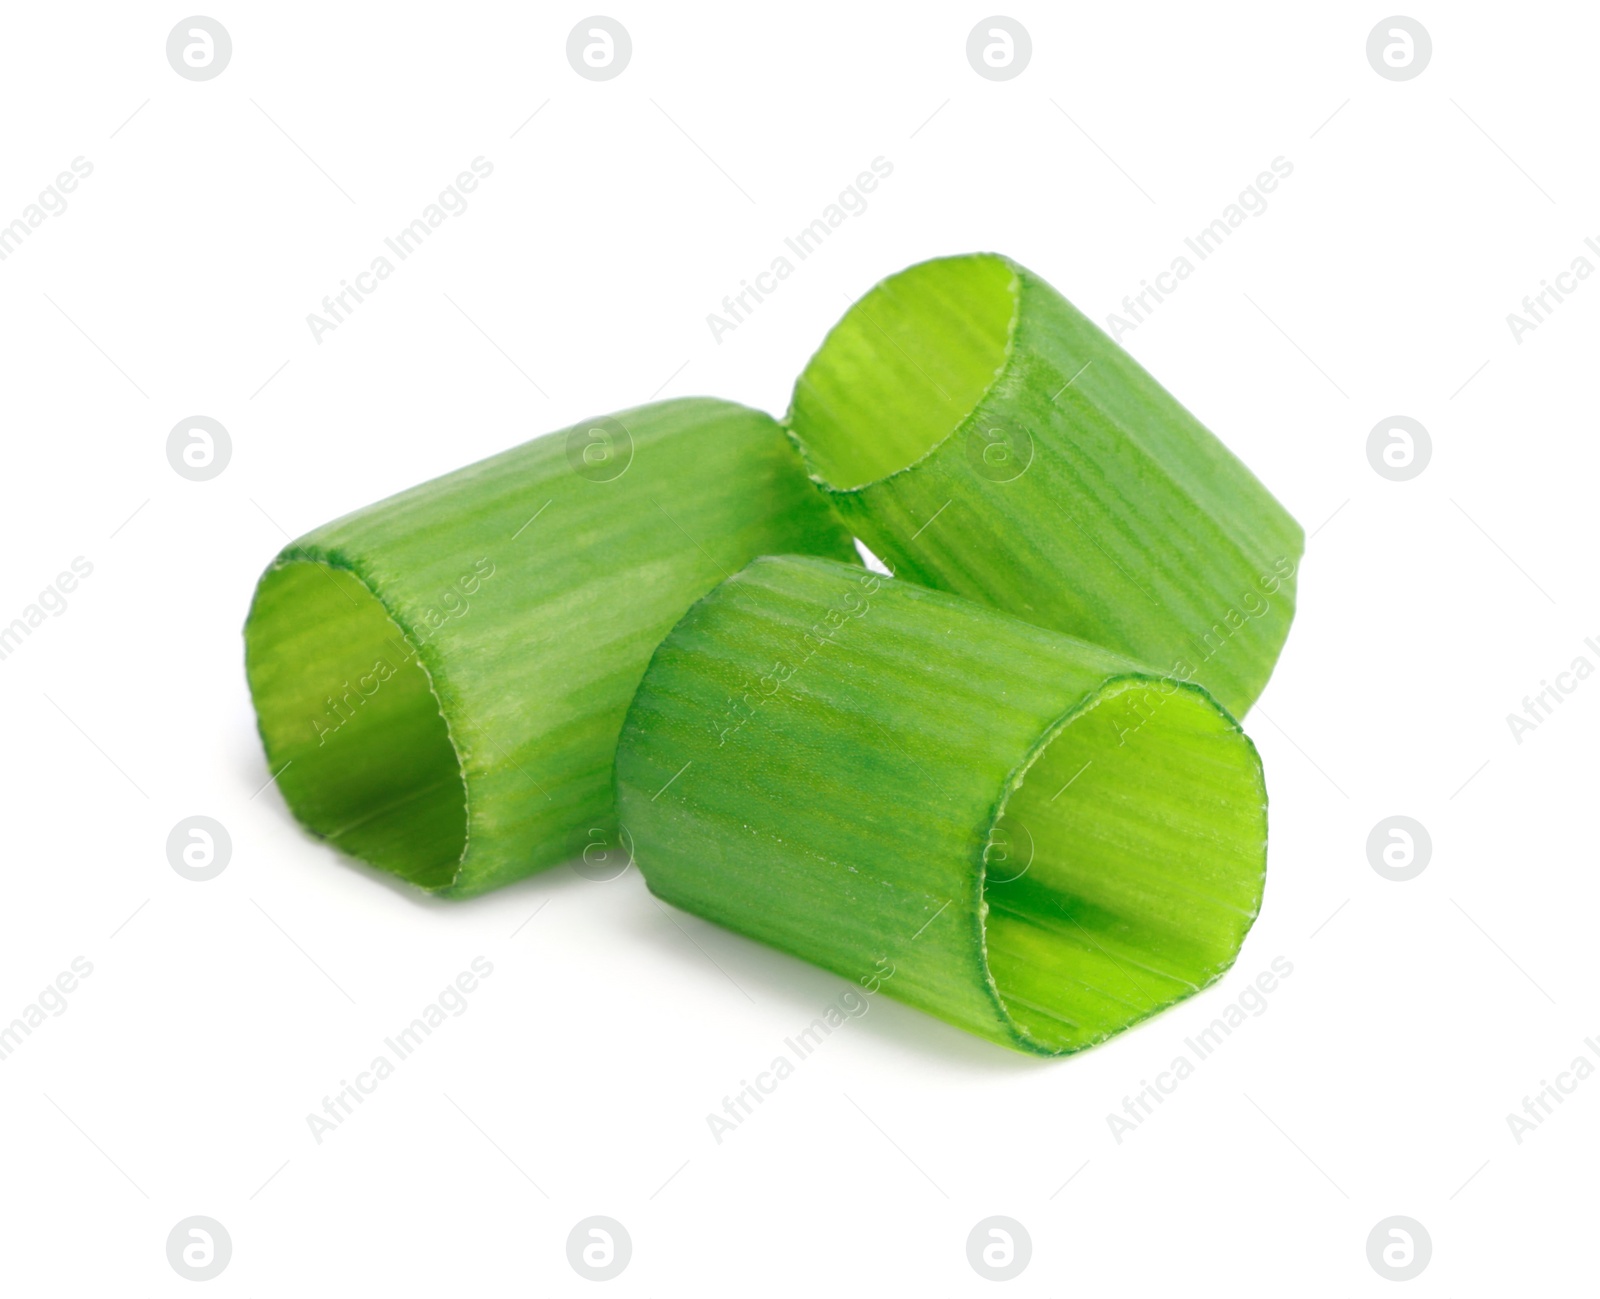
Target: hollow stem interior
[1125, 870]
[903, 368]
[351, 723]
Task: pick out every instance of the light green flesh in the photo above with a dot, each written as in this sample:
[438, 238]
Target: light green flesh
[884, 369]
[1142, 873]
[366, 761]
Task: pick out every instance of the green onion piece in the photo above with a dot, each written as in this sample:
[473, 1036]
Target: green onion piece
[1021, 833]
[439, 678]
[986, 438]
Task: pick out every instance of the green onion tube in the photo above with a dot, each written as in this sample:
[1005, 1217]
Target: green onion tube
[986, 438]
[1029, 836]
[439, 678]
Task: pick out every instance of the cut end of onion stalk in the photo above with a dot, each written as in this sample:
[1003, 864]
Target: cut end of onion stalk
[1029, 836]
[439, 678]
[1120, 878]
[394, 793]
[909, 362]
[986, 438]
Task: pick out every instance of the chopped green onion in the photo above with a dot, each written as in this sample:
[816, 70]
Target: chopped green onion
[439, 678]
[986, 438]
[1027, 835]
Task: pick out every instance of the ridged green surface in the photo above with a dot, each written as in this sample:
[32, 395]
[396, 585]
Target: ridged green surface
[439, 678]
[986, 438]
[1043, 840]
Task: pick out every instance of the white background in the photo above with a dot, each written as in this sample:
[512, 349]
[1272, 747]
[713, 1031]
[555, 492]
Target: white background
[219, 1014]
